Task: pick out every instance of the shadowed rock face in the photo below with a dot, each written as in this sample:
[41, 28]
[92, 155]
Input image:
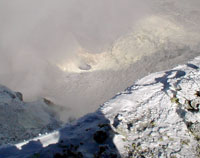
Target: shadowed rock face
[90, 137]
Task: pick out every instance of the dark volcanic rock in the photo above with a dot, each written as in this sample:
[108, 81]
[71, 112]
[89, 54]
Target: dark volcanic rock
[100, 137]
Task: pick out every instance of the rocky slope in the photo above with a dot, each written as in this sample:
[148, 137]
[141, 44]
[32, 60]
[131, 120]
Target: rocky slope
[21, 120]
[156, 117]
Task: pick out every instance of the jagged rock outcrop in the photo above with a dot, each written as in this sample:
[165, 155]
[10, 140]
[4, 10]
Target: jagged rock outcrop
[156, 117]
[21, 120]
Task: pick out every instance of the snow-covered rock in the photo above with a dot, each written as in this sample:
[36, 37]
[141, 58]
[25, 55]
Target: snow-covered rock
[21, 120]
[156, 117]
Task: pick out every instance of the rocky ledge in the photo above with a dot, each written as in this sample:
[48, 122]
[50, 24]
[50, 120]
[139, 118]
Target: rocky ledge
[159, 116]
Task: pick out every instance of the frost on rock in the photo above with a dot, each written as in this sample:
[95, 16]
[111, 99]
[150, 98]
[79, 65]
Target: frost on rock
[20, 120]
[157, 117]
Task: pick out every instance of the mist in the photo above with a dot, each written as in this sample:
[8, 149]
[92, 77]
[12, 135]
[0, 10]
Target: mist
[37, 33]
[79, 53]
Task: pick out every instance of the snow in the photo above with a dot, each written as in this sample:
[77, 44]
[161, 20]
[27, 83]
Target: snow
[152, 118]
[21, 120]
[44, 139]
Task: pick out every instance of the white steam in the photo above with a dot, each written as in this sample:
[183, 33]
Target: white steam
[150, 35]
[79, 53]
[37, 35]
